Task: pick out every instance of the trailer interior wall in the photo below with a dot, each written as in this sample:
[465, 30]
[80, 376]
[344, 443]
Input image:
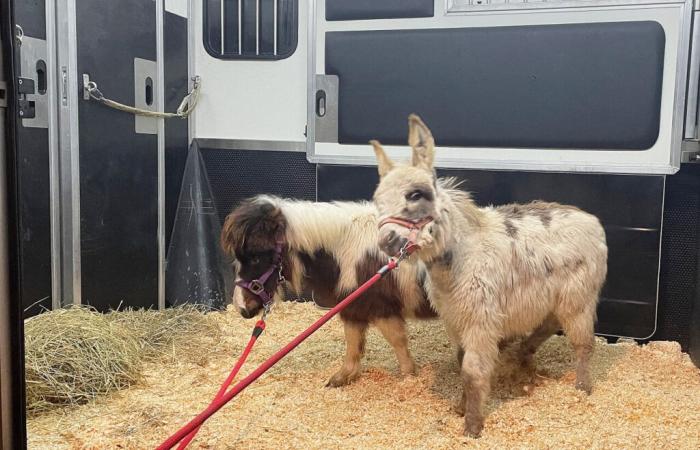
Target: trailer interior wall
[252, 120]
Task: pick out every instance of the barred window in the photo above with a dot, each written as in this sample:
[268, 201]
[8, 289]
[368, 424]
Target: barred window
[250, 29]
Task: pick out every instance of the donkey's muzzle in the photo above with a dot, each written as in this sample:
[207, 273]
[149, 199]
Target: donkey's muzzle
[391, 243]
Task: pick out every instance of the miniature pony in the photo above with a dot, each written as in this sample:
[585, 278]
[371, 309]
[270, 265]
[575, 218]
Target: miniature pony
[330, 248]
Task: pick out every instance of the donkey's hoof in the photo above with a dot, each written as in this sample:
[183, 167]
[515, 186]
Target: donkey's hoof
[584, 386]
[342, 378]
[473, 429]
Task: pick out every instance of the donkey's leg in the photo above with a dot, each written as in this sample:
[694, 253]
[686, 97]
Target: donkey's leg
[478, 362]
[355, 348]
[394, 331]
[579, 329]
[529, 346]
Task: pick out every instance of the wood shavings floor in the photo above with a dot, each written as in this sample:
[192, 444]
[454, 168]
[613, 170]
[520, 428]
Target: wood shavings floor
[644, 398]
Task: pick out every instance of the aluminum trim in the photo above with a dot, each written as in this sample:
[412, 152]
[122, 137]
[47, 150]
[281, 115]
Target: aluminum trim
[691, 109]
[191, 46]
[54, 156]
[682, 60]
[311, 82]
[525, 166]
[253, 145]
[160, 122]
[464, 7]
[69, 152]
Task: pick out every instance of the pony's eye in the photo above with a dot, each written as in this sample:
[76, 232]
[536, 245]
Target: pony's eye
[255, 260]
[414, 196]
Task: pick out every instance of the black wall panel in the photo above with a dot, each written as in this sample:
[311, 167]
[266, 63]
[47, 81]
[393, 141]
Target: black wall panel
[118, 168]
[679, 255]
[594, 86]
[378, 9]
[31, 16]
[33, 179]
[34, 219]
[176, 84]
[235, 175]
[628, 206]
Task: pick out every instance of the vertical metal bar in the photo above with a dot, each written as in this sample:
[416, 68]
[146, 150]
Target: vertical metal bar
[160, 106]
[67, 51]
[240, 27]
[6, 386]
[191, 46]
[274, 21]
[257, 27]
[221, 19]
[54, 170]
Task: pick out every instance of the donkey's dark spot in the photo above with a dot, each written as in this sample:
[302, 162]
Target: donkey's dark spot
[512, 211]
[545, 215]
[444, 260]
[511, 229]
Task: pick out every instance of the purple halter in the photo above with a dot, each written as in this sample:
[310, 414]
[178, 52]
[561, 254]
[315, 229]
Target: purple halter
[257, 286]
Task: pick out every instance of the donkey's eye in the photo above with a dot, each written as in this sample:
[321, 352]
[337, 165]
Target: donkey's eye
[255, 260]
[414, 196]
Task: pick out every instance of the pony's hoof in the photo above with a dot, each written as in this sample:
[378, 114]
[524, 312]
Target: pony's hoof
[408, 371]
[473, 429]
[584, 386]
[341, 379]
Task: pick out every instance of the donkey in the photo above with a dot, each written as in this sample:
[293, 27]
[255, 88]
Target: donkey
[494, 273]
[330, 248]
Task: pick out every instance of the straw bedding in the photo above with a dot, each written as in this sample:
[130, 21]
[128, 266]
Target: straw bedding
[645, 397]
[74, 355]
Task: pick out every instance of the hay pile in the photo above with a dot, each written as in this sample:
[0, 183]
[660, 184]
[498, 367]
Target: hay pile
[77, 354]
[645, 397]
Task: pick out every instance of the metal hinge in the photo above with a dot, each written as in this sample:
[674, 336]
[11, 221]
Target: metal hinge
[690, 151]
[26, 109]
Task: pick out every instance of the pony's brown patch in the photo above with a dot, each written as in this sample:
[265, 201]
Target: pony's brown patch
[252, 227]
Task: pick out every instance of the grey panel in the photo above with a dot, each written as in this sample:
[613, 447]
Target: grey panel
[145, 74]
[118, 168]
[33, 59]
[594, 86]
[378, 9]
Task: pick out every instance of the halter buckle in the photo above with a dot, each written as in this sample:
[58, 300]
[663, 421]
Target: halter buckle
[256, 287]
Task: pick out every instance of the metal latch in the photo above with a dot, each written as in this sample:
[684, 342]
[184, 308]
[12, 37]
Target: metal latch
[25, 108]
[3, 94]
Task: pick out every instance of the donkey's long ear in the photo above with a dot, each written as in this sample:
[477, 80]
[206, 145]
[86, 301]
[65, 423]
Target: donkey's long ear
[421, 140]
[384, 164]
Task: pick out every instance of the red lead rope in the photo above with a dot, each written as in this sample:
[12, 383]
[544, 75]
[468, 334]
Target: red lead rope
[257, 331]
[220, 401]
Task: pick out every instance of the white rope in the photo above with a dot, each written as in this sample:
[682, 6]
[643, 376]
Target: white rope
[185, 109]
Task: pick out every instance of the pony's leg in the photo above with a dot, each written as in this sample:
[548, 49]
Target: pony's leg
[478, 362]
[529, 346]
[394, 331]
[355, 347]
[580, 330]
